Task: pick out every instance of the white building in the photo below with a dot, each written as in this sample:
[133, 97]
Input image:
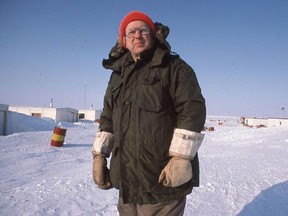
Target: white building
[255, 122]
[273, 122]
[266, 122]
[58, 114]
[3, 119]
[89, 114]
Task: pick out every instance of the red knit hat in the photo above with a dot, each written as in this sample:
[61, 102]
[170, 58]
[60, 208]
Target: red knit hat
[132, 16]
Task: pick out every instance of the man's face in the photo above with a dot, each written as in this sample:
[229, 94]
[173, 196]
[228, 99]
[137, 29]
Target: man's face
[137, 39]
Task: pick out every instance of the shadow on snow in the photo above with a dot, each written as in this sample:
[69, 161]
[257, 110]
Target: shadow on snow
[272, 201]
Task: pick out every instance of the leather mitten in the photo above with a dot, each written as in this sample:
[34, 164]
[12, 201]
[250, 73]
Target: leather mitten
[178, 171]
[101, 172]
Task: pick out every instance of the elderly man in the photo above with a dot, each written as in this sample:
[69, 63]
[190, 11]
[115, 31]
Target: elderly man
[151, 122]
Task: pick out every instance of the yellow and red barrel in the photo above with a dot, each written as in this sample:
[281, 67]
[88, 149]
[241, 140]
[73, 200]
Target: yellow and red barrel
[58, 136]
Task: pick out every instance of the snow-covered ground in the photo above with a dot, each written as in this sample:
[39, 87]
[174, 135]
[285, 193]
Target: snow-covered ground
[243, 171]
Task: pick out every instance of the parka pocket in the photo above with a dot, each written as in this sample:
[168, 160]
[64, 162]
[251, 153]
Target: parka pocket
[115, 92]
[152, 95]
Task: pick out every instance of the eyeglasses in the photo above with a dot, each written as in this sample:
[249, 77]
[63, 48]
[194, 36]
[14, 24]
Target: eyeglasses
[142, 30]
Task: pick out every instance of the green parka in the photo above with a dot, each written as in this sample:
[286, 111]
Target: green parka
[144, 102]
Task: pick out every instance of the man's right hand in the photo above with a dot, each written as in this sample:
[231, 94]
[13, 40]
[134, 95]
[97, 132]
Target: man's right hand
[101, 172]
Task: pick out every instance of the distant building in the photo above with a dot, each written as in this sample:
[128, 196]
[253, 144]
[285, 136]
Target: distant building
[256, 122]
[3, 119]
[58, 114]
[266, 122]
[273, 122]
[89, 114]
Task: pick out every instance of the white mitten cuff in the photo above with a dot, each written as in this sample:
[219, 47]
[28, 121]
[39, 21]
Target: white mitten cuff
[185, 143]
[103, 143]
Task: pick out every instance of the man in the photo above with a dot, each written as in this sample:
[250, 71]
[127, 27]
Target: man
[151, 122]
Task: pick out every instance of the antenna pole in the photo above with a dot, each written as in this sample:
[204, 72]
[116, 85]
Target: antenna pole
[85, 86]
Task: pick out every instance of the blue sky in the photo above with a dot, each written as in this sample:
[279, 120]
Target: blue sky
[54, 49]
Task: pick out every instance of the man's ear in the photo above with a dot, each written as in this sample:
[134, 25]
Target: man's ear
[124, 42]
[117, 50]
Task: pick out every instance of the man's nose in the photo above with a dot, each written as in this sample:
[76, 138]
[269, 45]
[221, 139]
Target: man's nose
[138, 34]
